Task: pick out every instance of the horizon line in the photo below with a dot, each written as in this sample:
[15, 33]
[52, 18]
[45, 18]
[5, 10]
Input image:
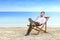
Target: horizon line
[29, 11]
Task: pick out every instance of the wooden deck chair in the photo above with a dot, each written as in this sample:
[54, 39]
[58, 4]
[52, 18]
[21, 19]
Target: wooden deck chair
[45, 25]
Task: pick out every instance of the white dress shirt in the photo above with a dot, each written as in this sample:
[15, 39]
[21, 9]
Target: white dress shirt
[41, 20]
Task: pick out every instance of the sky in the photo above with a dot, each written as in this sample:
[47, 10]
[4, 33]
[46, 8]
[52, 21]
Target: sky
[51, 7]
[30, 5]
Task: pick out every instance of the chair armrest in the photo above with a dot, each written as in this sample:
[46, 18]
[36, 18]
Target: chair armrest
[47, 18]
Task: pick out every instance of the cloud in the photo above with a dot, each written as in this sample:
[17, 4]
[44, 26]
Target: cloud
[30, 5]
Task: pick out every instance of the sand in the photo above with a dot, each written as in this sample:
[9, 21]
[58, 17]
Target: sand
[17, 33]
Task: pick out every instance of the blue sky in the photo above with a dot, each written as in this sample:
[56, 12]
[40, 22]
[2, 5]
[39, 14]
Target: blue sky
[30, 5]
[51, 7]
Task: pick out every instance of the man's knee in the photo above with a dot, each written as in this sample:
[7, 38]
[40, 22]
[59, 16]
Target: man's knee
[30, 20]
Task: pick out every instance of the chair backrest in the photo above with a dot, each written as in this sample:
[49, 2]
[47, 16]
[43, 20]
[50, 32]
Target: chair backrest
[47, 18]
[46, 23]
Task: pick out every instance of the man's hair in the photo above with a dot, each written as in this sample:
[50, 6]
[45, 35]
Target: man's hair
[42, 12]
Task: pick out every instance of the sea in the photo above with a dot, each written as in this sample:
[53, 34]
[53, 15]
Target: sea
[20, 19]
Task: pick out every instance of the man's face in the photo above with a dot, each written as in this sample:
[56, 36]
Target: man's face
[42, 14]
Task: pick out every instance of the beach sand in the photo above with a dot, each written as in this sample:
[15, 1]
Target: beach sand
[17, 33]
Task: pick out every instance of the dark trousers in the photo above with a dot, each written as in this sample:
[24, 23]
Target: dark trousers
[30, 26]
[29, 29]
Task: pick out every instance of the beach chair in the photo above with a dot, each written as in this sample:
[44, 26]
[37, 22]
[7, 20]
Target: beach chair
[40, 29]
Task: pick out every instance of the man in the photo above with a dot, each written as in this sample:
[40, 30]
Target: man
[40, 20]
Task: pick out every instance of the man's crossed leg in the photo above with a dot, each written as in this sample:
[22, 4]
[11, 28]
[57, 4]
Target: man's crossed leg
[34, 25]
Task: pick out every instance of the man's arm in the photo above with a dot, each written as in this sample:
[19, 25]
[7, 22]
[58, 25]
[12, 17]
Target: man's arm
[37, 18]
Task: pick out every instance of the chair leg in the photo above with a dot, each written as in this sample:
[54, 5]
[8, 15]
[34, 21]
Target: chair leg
[40, 29]
[45, 28]
[35, 29]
